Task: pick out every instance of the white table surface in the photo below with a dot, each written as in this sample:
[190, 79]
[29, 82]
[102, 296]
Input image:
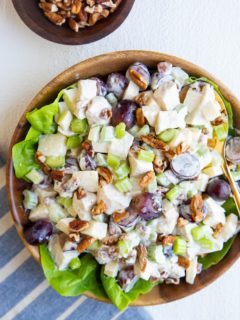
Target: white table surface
[202, 31]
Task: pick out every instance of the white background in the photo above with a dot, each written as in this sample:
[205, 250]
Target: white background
[206, 32]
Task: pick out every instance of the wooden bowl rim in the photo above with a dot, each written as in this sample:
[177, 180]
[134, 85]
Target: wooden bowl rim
[108, 24]
[224, 265]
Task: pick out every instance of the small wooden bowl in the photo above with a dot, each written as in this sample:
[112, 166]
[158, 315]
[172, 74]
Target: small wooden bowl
[34, 18]
[103, 65]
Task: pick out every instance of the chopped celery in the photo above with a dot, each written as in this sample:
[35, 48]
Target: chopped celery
[134, 130]
[173, 193]
[74, 142]
[79, 125]
[123, 247]
[106, 134]
[123, 185]
[35, 176]
[163, 180]
[206, 243]
[221, 131]
[30, 199]
[75, 263]
[198, 232]
[94, 246]
[55, 162]
[101, 160]
[147, 156]
[112, 99]
[155, 252]
[113, 161]
[120, 130]
[122, 171]
[144, 131]
[65, 202]
[167, 135]
[236, 175]
[179, 246]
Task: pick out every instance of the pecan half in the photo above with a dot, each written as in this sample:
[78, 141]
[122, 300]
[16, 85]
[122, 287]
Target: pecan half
[146, 179]
[38, 158]
[142, 257]
[170, 154]
[99, 208]
[219, 120]
[183, 262]
[181, 222]
[154, 142]
[48, 7]
[55, 18]
[80, 193]
[110, 240]
[105, 173]
[196, 206]
[140, 117]
[78, 225]
[159, 165]
[85, 243]
[119, 216]
[217, 230]
[76, 6]
[73, 24]
[142, 98]
[57, 174]
[167, 240]
[182, 147]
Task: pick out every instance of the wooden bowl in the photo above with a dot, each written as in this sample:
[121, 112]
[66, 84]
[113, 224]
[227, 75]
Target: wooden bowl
[104, 64]
[34, 18]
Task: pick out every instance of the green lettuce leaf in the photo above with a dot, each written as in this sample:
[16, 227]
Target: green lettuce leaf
[118, 297]
[23, 154]
[71, 283]
[32, 134]
[215, 257]
[226, 103]
[230, 206]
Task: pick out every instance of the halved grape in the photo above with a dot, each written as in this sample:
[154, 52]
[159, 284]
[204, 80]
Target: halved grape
[116, 84]
[39, 232]
[232, 150]
[218, 189]
[124, 112]
[186, 166]
[139, 74]
[101, 87]
[147, 205]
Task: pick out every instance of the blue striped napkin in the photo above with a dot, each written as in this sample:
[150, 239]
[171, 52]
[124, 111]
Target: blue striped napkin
[24, 292]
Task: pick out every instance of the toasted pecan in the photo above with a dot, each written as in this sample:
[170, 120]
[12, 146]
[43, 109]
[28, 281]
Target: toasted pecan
[57, 174]
[142, 98]
[146, 179]
[167, 240]
[183, 262]
[110, 240]
[182, 147]
[140, 117]
[119, 216]
[196, 206]
[159, 165]
[154, 142]
[217, 230]
[43, 166]
[85, 243]
[105, 173]
[99, 208]
[219, 120]
[80, 193]
[142, 257]
[181, 222]
[78, 225]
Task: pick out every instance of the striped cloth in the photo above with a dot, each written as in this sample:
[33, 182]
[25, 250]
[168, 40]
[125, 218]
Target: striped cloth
[24, 292]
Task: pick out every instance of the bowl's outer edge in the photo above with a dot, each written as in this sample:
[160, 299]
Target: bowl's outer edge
[117, 61]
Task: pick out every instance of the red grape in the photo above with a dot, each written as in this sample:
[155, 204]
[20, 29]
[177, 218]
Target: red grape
[116, 84]
[39, 232]
[186, 166]
[124, 112]
[218, 189]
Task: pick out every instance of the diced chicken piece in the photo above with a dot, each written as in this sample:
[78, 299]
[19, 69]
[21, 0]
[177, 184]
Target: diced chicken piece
[62, 106]
[167, 223]
[94, 134]
[186, 231]
[215, 213]
[139, 167]
[63, 225]
[193, 99]
[201, 183]
[52, 145]
[121, 147]
[151, 270]
[101, 147]
[56, 212]
[64, 120]
[203, 109]
[170, 120]
[88, 180]
[190, 136]
[111, 269]
[80, 109]
[151, 113]
[87, 89]
[167, 96]
[97, 111]
[230, 227]
[44, 193]
[191, 271]
[96, 229]
[113, 199]
[62, 259]
[205, 158]
[40, 212]
[69, 97]
[213, 171]
[136, 189]
[83, 206]
[131, 91]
